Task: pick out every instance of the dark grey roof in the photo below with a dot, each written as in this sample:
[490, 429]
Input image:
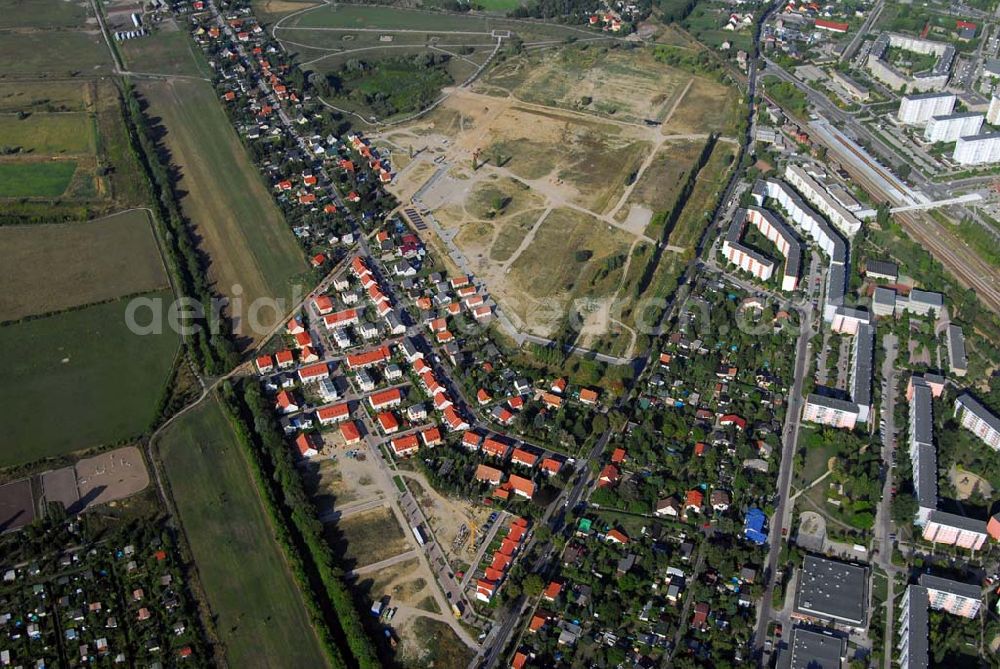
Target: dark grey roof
[972, 404]
[916, 626]
[951, 587]
[927, 96]
[982, 137]
[921, 413]
[883, 267]
[926, 297]
[926, 476]
[836, 284]
[793, 260]
[961, 522]
[815, 649]
[832, 402]
[957, 358]
[884, 296]
[861, 365]
[832, 590]
[952, 117]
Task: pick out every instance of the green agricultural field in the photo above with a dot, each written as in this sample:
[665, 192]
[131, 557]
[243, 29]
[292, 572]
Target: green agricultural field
[62, 53]
[79, 379]
[42, 14]
[35, 179]
[53, 267]
[257, 606]
[49, 134]
[43, 96]
[243, 233]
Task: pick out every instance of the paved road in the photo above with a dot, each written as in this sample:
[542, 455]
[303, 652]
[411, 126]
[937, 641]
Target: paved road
[790, 439]
[883, 522]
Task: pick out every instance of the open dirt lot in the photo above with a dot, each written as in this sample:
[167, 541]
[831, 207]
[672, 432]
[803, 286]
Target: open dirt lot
[621, 83]
[338, 482]
[110, 476]
[426, 642]
[367, 537]
[405, 583]
[17, 506]
[59, 485]
[966, 483]
[447, 517]
[519, 188]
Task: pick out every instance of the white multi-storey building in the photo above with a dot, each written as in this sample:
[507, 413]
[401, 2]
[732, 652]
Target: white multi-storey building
[977, 149]
[817, 196]
[930, 592]
[950, 128]
[918, 109]
[754, 262]
[978, 420]
[993, 113]
[816, 228]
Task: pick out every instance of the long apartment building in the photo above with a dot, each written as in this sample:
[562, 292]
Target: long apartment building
[977, 419]
[816, 228]
[922, 453]
[841, 413]
[930, 592]
[754, 262]
[938, 526]
[818, 196]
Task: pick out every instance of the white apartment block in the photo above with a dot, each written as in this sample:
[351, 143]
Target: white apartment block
[816, 228]
[830, 411]
[754, 262]
[930, 592]
[977, 149]
[817, 196]
[953, 530]
[919, 109]
[993, 113]
[950, 128]
[978, 420]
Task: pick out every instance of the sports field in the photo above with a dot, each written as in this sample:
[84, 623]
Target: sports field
[57, 266]
[258, 609]
[243, 233]
[79, 379]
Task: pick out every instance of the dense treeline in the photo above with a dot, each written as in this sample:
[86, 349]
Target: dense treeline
[675, 11]
[300, 533]
[207, 342]
[570, 11]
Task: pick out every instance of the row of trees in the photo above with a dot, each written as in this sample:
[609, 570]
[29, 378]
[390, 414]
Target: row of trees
[298, 529]
[208, 342]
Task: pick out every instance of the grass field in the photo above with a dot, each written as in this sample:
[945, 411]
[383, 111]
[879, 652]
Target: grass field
[660, 184]
[242, 231]
[46, 96]
[60, 53]
[53, 267]
[707, 107]
[711, 180]
[64, 133]
[258, 608]
[168, 50]
[43, 13]
[22, 178]
[79, 379]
